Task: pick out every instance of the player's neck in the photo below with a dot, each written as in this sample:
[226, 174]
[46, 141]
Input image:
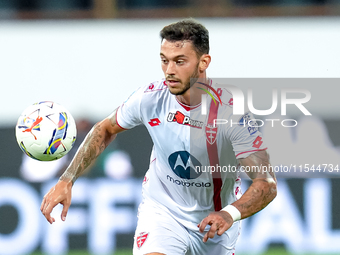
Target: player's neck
[193, 96]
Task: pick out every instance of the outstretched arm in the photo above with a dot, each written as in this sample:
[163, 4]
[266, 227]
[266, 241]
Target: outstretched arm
[100, 136]
[260, 193]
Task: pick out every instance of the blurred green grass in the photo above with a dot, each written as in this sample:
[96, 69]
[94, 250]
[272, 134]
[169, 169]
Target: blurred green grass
[271, 251]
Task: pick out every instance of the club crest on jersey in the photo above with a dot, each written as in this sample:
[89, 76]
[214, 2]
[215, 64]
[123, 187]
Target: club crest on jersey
[211, 133]
[180, 118]
[141, 238]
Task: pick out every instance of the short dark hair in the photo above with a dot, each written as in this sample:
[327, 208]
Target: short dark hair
[188, 29]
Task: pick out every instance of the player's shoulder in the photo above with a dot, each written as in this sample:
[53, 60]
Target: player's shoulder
[223, 95]
[148, 91]
[152, 94]
[156, 87]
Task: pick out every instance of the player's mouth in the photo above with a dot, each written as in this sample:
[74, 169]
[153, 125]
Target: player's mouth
[172, 82]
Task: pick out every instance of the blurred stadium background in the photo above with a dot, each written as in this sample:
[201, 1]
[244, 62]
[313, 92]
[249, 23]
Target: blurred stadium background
[89, 55]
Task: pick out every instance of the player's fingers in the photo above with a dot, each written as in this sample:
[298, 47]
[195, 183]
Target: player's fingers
[214, 227]
[205, 238]
[42, 206]
[222, 229]
[64, 212]
[201, 227]
[46, 200]
[203, 224]
[209, 234]
[51, 220]
[48, 209]
[48, 216]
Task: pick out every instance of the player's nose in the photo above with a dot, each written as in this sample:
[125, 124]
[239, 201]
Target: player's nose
[171, 68]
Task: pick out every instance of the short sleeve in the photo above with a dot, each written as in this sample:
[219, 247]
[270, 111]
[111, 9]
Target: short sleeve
[129, 113]
[245, 136]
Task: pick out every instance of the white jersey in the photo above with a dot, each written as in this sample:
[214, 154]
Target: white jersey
[180, 180]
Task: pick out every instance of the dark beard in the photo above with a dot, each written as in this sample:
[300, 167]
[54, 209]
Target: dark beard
[192, 80]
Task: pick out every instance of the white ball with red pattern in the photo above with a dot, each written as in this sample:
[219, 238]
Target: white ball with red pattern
[46, 131]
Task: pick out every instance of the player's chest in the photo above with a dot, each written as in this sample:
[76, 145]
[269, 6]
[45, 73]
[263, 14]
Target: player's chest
[175, 124]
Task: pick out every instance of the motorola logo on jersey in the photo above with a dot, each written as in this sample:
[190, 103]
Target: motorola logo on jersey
[184, 165]
[189, 183]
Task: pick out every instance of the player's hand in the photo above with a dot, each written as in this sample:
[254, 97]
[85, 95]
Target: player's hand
[60, 193]
[219, 221]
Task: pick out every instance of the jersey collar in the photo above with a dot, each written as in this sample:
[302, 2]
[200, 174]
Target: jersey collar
[188, 107]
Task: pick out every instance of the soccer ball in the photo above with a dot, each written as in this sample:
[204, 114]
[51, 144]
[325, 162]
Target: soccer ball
[46, 131]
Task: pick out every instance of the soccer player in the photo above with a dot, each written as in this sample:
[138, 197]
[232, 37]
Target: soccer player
[191, 193]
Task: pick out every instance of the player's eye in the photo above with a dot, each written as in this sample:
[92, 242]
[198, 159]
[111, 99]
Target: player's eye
[180, 62]
[164, 61]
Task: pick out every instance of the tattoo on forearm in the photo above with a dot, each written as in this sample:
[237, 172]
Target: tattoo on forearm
[262, 191]
[89, 150]
[257, 197]
[93, 145]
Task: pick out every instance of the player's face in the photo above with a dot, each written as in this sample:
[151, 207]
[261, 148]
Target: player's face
[179, 64]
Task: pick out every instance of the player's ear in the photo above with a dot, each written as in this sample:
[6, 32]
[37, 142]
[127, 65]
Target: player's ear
[205, 60]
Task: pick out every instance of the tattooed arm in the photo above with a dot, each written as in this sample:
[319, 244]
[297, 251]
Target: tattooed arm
[263, 189]
[101, 135]
[260, 193]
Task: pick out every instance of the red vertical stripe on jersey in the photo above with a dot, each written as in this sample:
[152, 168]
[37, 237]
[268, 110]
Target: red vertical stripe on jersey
[213, 159]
